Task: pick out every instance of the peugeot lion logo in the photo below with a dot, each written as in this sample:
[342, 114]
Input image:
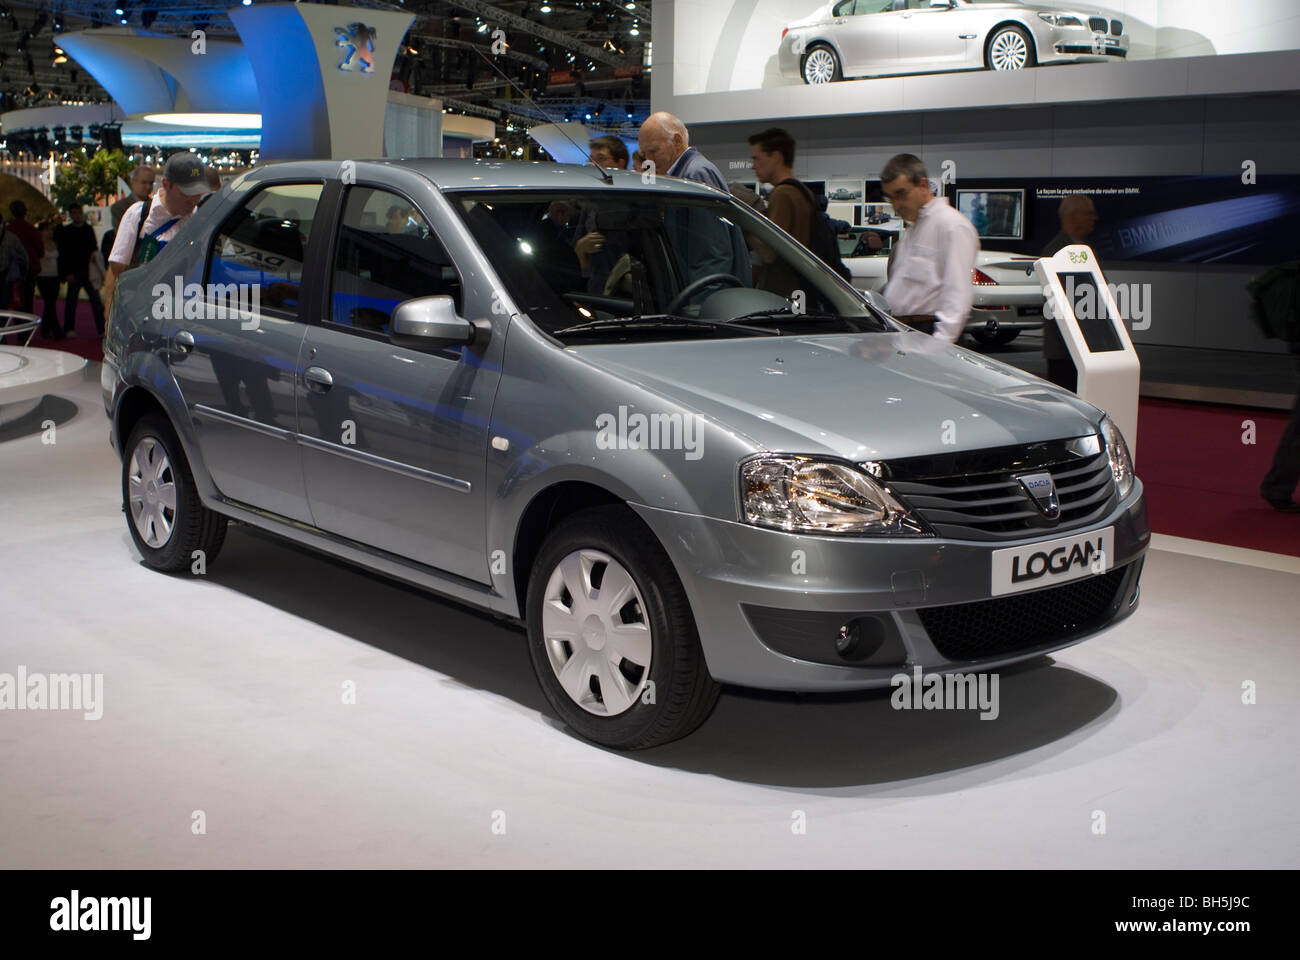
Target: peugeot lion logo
[1042, 491]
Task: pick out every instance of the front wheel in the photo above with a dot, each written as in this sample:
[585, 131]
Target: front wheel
[1010, 48]
[611, 634]
[821, 64]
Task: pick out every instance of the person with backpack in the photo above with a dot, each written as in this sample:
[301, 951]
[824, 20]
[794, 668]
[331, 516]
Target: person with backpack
[793, 207]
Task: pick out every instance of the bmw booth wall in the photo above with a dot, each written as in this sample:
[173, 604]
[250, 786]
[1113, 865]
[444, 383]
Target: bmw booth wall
[411, 491]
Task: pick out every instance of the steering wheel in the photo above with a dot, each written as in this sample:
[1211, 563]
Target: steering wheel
[695, 286]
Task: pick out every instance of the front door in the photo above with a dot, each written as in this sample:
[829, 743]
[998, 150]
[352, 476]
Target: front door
[394, 440]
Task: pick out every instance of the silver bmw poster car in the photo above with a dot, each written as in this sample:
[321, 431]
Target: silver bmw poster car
[866, 38]
[688, 455]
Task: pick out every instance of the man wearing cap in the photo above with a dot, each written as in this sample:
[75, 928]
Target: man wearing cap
[146, 226]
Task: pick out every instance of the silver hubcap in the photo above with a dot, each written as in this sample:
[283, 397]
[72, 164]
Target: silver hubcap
[819, 67]
[1009, 51]
[596, 635]
[151, 492]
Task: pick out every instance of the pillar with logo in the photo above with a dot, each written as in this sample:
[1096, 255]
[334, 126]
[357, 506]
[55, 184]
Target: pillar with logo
[322, 76]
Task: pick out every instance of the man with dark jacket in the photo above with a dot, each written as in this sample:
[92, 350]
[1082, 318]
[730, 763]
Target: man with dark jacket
[76, 244]
[790, 205]
[702, 243]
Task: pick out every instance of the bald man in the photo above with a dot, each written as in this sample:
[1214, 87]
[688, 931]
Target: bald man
[704, 244]
[665, 142]
[1078, 219]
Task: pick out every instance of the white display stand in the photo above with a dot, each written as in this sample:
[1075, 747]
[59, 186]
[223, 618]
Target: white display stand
[1085, 312]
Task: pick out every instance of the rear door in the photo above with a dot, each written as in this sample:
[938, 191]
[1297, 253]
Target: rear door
[235, 344]
[394, 440]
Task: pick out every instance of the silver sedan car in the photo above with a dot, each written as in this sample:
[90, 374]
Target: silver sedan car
[866, 38]
[638, 419]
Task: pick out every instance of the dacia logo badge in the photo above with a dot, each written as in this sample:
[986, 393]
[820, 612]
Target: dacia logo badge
[1041, 489]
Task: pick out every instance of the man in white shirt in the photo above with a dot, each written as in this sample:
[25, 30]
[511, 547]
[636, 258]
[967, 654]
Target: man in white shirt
[183, 183]
[930, 271]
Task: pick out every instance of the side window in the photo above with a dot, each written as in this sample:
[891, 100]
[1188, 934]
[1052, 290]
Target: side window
[261, 245]
[387, 253]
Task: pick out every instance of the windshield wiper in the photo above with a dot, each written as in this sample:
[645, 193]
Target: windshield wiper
[662, 320]
[786, 313]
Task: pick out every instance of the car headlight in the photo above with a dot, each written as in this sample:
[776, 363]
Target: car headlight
[804, 495]
[1121, 464]
[1061, 19]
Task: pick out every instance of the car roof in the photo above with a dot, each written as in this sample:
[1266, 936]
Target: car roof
[457, 174]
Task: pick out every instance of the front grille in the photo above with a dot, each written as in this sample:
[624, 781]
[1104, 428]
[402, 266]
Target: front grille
[992, 628]
[1098, 24]
[1117, 28]
[979, 497]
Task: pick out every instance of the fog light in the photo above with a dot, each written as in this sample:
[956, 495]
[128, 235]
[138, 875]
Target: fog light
[859, 638]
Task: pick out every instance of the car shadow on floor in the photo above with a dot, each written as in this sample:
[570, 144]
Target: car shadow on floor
[778, 739]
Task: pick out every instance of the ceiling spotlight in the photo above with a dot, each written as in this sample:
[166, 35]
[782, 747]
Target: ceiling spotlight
[545, 8]
[635, 32]
[119, 11]
[482, 28]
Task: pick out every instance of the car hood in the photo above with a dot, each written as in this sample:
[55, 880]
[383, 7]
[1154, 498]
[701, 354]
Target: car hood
[857, 396]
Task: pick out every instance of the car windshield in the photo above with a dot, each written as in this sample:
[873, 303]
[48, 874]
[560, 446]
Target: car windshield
[626, 264]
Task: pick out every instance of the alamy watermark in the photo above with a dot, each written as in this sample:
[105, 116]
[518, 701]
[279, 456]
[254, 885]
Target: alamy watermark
[179, 300]
[946, 691]
[651, 431]
[53, 691]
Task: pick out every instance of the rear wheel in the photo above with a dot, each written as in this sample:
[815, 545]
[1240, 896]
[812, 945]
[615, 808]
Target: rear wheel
[611, 635]
[1010, 48]
[821, 64]
[163, 512]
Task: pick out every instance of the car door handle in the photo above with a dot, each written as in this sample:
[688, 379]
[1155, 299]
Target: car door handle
[318, 379]
[965, 36]
[183, 342]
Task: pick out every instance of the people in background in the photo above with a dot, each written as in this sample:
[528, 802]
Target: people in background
[148, 225]
[598, 251]
[930, 269]
[608, 152]
[76, 243]
[666, 143]
[31, 241]
[790, 205]
[141, 184]
[1078, 217]
[702, 242]
[48, 282]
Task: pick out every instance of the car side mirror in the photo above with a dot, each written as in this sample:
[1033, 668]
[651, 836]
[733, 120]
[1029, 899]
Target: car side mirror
[431, 323]
[877, 301]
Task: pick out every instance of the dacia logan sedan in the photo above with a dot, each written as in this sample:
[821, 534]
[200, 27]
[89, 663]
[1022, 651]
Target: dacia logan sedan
[634, 416]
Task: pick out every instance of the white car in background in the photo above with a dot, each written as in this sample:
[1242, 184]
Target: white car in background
[1007, 297]
[876, 38]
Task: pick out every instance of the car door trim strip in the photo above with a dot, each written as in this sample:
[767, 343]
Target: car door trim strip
[370, 459]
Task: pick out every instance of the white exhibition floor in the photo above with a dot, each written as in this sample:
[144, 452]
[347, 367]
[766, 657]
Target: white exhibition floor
[223, 694]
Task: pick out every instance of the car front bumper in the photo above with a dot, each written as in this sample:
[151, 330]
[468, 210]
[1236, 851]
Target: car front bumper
[1078, 45]
[770, 605]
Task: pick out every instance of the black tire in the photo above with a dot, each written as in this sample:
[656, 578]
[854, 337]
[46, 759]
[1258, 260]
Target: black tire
[684, 692]
[837, 73]
[998, 339]
[1031, 57]
[193, 526]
